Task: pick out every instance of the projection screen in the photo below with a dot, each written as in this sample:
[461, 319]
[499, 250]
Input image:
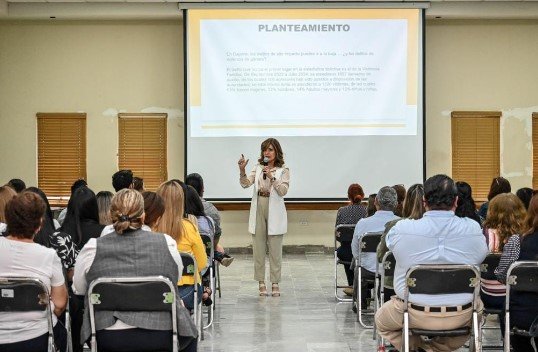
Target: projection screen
[341, 89]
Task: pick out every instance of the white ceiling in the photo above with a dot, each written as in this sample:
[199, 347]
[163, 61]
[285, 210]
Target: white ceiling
[168, 9]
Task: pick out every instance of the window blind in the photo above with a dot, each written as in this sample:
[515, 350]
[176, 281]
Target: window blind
[142, 147]
[476, 149]
[61, 153]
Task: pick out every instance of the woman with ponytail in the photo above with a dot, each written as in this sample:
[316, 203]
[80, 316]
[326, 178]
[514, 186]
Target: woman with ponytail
[131, 251]
[350, 214]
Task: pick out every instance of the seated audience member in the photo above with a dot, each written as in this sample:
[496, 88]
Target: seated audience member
[439, 237]
[400, 191]
[370, 207]
[385, 202]
[138, 184]
[122, 179]
[505, 219]
[498, 185]
[525, 194]
[206, 227]
[153, 208]
[76, 185]
[6, 194]
[21, 256]
[82, 219]
[413, 208]
[17, 184]
[350, 215]
[103, 204]
[174, 223]
[466, 207]
[523, 307]
[130, 251]
[61, 242]
[195, 180]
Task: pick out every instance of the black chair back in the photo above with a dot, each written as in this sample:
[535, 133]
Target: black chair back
[442, 279]
[208, 244]
[189, 264]
[344, 233]
[22, 296]
[523, 277]
[369, 242]
[389, 264]
[132, 296]
[488, 266]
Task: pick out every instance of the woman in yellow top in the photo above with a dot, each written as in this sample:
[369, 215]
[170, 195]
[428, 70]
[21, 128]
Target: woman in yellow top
[184, 232]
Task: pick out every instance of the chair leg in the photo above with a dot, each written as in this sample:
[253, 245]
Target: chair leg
[406, 332]
[507, 332]
[218, 279]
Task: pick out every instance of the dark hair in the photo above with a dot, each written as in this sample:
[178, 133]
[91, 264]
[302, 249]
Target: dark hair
[77, 184]
[197, 182]
[82, 206]
[47, 228]
[24, 213]
[153, 207]
[122, 179]
[499, 185]
[440, 192]
[400, 193]
[138, 184]
[193, 203]
[355, 193]
[371, 209]
[531, 221]
[466, 207]
[279, 155]
[525, 194]
[17, 184]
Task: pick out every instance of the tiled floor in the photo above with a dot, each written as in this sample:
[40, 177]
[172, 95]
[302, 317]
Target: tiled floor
[305, 318]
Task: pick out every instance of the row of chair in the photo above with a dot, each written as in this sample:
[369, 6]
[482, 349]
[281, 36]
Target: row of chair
[150, 293]
[437, 279]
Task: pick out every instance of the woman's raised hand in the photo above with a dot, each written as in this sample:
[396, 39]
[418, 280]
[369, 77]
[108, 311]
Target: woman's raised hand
[242, 163]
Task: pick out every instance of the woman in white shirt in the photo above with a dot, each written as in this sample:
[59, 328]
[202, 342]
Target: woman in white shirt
[268, 221]
[20, 256]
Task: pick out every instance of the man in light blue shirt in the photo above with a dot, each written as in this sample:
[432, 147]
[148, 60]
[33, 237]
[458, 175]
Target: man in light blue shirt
[439, 237]
[385, 202]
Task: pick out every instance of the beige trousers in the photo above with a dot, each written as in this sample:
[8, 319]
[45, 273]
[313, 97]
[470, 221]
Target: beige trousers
[389, 322]
[260, 242]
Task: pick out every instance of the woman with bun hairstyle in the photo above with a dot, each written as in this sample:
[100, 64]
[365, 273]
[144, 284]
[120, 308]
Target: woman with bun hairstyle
[131, 251]
[350, 214]
[268, 220]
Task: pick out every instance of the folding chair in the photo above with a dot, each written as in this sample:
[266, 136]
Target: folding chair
[26, 294]
[367, 244]
[210, 251]
[443, 279]
[145, 293]
[342, 233]
[487, 271]
[190, 268]
[521, 277]
[386, 280]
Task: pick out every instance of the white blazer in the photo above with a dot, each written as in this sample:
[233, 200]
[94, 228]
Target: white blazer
[277, 223]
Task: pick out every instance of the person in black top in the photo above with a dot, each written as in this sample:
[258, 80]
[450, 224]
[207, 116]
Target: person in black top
[350, 214]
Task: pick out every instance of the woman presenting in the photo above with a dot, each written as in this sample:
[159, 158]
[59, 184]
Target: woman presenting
[268, 221]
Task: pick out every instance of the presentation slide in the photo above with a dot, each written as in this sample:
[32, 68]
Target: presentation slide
[347, 79]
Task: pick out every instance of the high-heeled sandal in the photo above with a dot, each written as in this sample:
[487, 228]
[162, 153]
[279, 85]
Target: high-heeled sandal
[275, 290]
[262, 288]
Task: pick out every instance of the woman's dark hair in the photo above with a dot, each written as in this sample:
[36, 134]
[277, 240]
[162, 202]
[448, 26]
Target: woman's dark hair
[138, 184]
[499, 185]
[17, 184]
[47, 228]
[82, 206]
[279, 155]
[355, 193]
[24, 213]
[371, 209]
[531, 221]
[466, 207]
[196, 181]
[153, 207]
[193, 203]
[525, 194]
[400, 193]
